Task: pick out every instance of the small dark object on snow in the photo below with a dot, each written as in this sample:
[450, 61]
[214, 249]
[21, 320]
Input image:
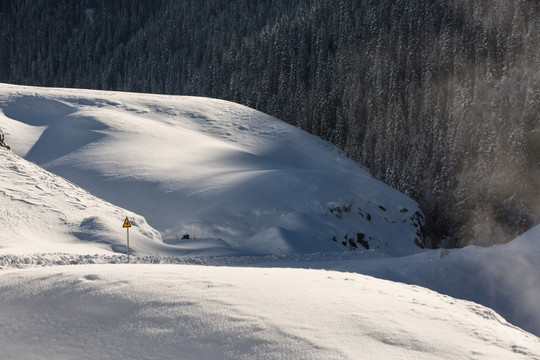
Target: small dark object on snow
[361, 239]
[2, 143]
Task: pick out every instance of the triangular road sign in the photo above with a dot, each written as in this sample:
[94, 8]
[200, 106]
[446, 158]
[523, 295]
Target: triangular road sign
[126, 223]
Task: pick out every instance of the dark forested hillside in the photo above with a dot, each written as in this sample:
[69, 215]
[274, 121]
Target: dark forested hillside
[439, 98]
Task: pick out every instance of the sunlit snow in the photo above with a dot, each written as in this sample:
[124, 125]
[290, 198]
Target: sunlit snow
[263, 278]
[209, 169]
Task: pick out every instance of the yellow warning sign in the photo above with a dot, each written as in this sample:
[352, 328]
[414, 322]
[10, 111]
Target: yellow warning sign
[126, 223]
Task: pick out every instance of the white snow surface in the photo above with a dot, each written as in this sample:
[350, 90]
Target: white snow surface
[204, 312]
[262, 280]
[41, 212]
[232, 177]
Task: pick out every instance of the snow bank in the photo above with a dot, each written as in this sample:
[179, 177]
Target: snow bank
[202, 312]
[504, 277]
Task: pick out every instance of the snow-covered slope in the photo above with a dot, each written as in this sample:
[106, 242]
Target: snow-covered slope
[41, 212]
[504, 277]
[243, 183]
[203, 312]
[214, 170]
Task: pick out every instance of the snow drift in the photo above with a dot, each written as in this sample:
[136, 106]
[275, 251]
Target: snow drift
[503, 277]
[204, 312]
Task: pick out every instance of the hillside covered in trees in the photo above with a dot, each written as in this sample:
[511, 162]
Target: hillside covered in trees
[438, 98]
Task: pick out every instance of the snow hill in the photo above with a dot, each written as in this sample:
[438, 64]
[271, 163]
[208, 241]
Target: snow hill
[231, 177]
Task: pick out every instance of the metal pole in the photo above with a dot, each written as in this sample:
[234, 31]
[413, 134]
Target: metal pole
[127, 244]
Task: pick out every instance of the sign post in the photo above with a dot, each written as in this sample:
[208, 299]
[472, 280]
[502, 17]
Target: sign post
[127, 225]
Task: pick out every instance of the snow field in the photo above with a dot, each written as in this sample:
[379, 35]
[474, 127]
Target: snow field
[210, 169]
[258, 198]
[204, 312]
